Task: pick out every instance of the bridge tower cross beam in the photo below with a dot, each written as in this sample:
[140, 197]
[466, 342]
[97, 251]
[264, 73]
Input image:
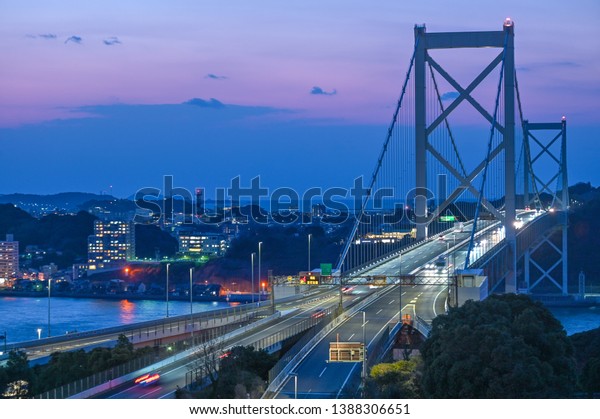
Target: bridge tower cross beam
[448, 40]
[559, 196]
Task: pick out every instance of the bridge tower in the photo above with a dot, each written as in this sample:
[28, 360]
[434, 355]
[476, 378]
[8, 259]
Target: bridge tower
[545, 261]
[503, 152]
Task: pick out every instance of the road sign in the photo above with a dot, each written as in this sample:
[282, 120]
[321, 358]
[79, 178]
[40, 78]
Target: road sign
[447, 218]
[309, 278]
[379, 280]
[346, 352]
[326, 269]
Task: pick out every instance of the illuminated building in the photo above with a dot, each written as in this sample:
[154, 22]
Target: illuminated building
[112, 241]
[209, 244]
[9, 258]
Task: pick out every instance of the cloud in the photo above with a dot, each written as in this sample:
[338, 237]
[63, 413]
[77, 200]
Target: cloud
[113, 40]
[450, 95]
[211, 103]
[74, 38]
[549, 64]
[316, 90]
[42, 35]
[215, 77]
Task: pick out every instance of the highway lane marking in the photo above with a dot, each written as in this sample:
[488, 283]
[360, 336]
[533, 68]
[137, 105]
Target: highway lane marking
[354, 366]
[379, 311]
[153, 391]
[434, 300]
[391, 302]
[167, 395]
[351, 336]
[322, 372]
[404, 293]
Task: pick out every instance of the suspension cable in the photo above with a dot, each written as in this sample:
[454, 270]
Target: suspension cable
[487, 159]
[380, 160]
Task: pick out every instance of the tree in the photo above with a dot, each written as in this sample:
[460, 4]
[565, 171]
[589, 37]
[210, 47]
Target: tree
[16, 390]
[398, 380]
[17, 366]
[590, 376]
[243, 372]
[504, 347]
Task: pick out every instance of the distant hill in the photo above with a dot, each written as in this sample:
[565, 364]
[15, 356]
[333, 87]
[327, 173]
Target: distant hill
[69, 201]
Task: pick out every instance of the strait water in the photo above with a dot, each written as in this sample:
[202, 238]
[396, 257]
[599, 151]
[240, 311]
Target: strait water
[20, 317]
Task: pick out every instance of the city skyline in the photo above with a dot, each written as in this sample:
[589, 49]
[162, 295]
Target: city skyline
[115, 96]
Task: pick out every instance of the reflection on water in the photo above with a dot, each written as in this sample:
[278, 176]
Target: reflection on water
[126, 311]
[21, 317]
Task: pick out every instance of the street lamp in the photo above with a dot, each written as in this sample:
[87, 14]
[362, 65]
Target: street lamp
[309, 237]
[191, 304]
[400, 289]
[252, 266]
[295, 375]
[167, 293]
[49, 295]
[4, 338]
[364, 369]
[259, 260]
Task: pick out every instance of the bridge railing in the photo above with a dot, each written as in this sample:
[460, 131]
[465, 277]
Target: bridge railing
[103, 377]
[276, 382]
[181, 322]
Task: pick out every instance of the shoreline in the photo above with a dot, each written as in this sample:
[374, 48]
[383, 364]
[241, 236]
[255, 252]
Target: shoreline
[232, 298]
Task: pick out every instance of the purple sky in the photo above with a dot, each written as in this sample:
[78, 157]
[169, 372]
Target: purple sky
[70, 68]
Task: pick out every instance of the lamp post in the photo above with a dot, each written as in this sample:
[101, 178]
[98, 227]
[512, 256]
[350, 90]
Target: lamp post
[400, 289]
[295, 375]
[309, 237]
[259, 260]
[167, 293]
[364, 365]
[191, 304]
[4, 338]
[252, 269]
[49, 295]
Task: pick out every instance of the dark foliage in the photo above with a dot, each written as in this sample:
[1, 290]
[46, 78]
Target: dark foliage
[151, 241]
[242, 373]
[504, 347]
[66, 367]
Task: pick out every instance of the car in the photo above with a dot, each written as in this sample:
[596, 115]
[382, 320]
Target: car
[348, 289]
[147, 379]
[440, 262]
[318, 313]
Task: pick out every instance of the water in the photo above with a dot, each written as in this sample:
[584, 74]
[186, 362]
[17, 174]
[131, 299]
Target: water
[21, 317]
[577, 319]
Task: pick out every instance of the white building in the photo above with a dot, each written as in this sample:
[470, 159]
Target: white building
[9, 258]
[112, 241]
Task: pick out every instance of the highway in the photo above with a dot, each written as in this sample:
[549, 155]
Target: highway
[174, 374]
[316, 378]
[426, 301]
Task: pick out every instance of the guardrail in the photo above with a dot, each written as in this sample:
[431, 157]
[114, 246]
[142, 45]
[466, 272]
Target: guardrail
[113, 376]
[305, 350]
[175, 322]
[422, 326]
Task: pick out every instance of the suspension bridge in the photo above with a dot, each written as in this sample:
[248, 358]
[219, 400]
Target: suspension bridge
[428, 180]
[443, 201]
[443, 207]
